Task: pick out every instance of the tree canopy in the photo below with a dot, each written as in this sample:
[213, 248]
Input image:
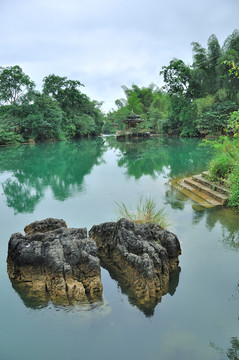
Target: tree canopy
[14, 83]
[196, 99]
[60, 111]
[204, 94]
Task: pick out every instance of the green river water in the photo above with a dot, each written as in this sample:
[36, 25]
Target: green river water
[80, 181]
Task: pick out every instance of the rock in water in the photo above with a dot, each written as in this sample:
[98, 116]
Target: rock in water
[54, 262]
[140, 256]
[44, 226]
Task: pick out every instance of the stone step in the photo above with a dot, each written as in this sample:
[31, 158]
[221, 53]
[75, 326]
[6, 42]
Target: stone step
[191, 193]
[205, 174]
[208, 183]
[205, 190]
[198, 196]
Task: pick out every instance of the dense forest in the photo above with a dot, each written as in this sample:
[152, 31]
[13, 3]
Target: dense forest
[197, 99]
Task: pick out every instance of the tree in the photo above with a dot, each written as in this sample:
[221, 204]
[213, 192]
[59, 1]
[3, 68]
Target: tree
[232, 42]
[176, 77]
[213, 54]
[41, 119]
[14, 83]
[203, 95]
[54, 85]
[76, 106]
[199, 56]
[66, 92]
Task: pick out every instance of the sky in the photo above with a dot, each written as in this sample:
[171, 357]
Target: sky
[108, 43]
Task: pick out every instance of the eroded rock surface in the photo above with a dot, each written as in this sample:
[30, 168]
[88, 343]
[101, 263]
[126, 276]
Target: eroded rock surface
[140, 256]
[44, 226]
[54, 262]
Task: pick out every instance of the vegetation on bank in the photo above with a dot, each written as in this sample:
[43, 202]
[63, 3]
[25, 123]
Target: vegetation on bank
[196, 99]
[151, 103]
[224, 165]
[60, 111]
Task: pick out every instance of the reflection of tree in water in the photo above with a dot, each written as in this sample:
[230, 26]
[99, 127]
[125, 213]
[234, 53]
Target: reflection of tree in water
[227, 218]
[175, 199]
[62, 166]
[21, 196]
[159, 155]
[59, 166]
[232, 353]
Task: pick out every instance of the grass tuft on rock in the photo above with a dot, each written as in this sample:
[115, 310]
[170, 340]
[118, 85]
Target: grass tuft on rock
[146, 213]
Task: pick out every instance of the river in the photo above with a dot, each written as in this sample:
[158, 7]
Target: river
[80, 182]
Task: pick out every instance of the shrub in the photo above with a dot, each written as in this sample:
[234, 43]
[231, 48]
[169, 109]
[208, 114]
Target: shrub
[225, 158]
[233, 183]
[220, 166]
[10, 137]
[225, 165]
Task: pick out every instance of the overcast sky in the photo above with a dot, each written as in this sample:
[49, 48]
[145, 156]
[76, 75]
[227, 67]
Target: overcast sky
[108, 43]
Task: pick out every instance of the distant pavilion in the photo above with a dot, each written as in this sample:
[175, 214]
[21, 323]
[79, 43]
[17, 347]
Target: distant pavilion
[132, 120]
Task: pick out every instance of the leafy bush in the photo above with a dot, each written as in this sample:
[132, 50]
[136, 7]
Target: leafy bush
[10, 137]
[224, 159]
[220, 166]
[216, 117]
[233, 183]
[225, 165]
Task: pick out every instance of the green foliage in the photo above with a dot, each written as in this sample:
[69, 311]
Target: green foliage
[207, 91]
[220, 167]
[233, 183]
[204, 104]
[61, 111]
[176, 77]
[42, 119]
[233, 70]
[232, 41]
[10, 138]
[85, 125]
[225, 166]
[13, 84]
[233, 123]
[215, 117]
[146, 213]
[60, 87]
[150, 102]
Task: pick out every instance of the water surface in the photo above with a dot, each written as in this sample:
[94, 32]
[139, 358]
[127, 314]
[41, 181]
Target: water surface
[80, 181]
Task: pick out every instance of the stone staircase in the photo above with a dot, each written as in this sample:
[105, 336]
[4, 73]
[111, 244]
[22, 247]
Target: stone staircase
[203, 191]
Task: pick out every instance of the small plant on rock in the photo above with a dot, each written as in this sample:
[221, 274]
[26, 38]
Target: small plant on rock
[146, 213]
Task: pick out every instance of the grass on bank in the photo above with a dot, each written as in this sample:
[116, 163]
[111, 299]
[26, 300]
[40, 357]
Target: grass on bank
[225, 166]
[146, 213]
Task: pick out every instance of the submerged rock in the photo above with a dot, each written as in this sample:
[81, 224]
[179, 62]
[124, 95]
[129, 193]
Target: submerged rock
[53, 262]
[140, 256]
